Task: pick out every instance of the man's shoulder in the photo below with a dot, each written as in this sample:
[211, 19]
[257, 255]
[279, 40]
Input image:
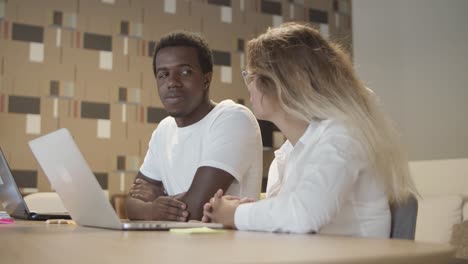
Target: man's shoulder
[166, 123]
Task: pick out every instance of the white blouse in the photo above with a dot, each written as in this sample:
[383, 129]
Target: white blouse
[324, 184]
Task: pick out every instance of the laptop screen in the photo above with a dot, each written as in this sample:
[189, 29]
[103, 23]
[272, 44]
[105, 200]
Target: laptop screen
[10, 197]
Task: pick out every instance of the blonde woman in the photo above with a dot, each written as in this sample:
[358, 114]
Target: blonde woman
[341, 164]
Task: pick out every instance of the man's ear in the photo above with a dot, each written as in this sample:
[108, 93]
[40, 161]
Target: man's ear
[207, 79]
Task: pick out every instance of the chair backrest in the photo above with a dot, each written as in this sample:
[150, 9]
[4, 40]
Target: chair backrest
[404, 219]
[44, 202]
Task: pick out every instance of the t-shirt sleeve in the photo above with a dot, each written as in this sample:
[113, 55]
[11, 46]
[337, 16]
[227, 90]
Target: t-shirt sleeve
[232, 143]
[150, 167]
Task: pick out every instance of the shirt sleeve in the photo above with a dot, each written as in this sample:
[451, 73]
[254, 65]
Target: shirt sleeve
[326, 179]
[233, 143]
[150, 167]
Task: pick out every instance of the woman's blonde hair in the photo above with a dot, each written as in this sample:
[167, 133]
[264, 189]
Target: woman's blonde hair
[313, 78]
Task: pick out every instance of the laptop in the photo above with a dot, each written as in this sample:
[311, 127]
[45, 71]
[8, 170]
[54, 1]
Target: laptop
[12, 200]
[81, 194]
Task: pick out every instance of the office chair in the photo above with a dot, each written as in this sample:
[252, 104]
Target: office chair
[404, 219]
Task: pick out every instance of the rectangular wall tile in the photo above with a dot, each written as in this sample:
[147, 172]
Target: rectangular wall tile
[318, 16]
[33, 124]
[103, 128]
[170, 6]
[29, 33]
[124, 29]
[57, 18]
[221, 58]
[25, 178]
[271, 7]
[103, 179]
[226, 14]
[36, 52]
[54, 88]
[95, 110]
[226, 74]
[122, 94]
[121, 162]
[105, 60]
[24, 104]
[220, 2]
[155, 114]
[97, 42]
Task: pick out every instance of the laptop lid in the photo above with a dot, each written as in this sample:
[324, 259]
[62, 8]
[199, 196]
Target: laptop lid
[10, 196]
[13, 201]
[81, 194]
[69, 174]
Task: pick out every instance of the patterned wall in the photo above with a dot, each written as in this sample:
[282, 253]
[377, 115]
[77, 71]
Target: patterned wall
[86, 65]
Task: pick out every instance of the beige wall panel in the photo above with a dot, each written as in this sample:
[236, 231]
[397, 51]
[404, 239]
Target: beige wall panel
[11, 11]
[82, 58]
[64, 109]
[118, 129]
[15, 141]
[60, 72]
[133, 114]
[52, 53]
[69, 6]
[260, 22]
[15, 54]
[48, 124]
[32, 12]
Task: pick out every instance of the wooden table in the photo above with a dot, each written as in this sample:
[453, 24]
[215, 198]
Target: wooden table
[37, 242]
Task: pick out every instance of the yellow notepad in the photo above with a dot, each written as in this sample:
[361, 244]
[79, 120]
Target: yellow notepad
[196, 230]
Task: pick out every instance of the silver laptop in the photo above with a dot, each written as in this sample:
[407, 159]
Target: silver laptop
[81, 194]
[12, 200]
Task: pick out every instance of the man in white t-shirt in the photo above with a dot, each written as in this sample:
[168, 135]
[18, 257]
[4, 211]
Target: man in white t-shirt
[201, 147]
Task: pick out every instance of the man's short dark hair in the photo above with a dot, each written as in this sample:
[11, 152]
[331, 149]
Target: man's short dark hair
[187, 39]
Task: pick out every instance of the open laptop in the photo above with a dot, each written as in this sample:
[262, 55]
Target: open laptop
[81, 194]
[12, 200]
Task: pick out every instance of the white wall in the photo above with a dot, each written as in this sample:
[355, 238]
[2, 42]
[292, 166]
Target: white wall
[414, 54]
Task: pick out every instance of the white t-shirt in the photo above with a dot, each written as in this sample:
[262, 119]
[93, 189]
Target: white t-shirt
[323, 184]
[227, 138]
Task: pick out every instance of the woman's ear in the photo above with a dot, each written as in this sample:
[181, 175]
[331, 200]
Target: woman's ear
[207, 79]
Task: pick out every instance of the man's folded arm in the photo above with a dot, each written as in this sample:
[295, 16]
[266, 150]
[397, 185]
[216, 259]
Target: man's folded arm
[142, 194]
[206, 182]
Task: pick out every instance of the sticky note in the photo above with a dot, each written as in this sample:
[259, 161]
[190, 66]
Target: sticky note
[197, 230]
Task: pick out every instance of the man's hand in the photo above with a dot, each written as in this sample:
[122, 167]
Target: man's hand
[168, 208]
[145, 191]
